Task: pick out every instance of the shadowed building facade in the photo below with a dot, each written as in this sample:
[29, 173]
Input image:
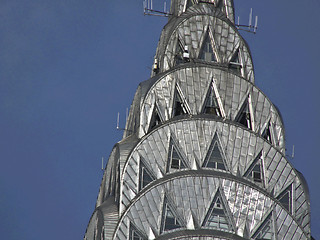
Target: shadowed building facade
[203, 153]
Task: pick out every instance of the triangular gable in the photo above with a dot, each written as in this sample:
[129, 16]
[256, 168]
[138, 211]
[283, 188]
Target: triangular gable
[169, 219]
[218, 216]
[255, 171]
[267, 133]
[285, 198]
[235, 58]
[206, 52]
[220, 5]
[155, 118]
[266, 230]
[145, 175]
[215, 157]
[135, 234]
[190, 3]
[179, 52]
[235, 63]
[211, 105]
[175, 159]
[244, 116]
[179, 107]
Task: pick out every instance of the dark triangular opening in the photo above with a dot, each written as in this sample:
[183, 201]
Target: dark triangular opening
[244, 117]
[134, 234]
[211, 105]
[169, 219]
[145, 176]
[235, 57]
[206, 51]
[179, 53]
[214, 158]
[155, 119]
[235, 62]
[220, 5]
[179, 107]
[265, 231]
[175, 160]
[255, 171]
[285, 198]
[217, 216]
[267, 134]
[189, 3]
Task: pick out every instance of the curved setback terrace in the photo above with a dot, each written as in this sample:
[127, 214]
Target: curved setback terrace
[193, 139]
[193, 84]
[191, 30]
[190, 198]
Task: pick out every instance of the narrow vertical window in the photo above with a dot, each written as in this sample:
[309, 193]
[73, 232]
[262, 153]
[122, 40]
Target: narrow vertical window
[155, 118]
[235, 63]
[179, 53]
[267, 134]
[179, 107]
[206, 51]
[255, 171]
[244, 117]
[175, 159]
[285, 198]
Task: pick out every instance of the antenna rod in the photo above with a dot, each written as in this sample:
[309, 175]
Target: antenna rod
[126, 114]
[102, 164]
[118, 120]
[292, 156]
[250, 19]
[256, 24]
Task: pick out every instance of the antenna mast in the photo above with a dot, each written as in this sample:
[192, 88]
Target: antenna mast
[148, 9]
[248, 28]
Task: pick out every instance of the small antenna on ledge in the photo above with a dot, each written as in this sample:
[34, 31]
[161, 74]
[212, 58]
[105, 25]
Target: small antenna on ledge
[148, 9]
[118, 120]
[102, 165]
[248, 28]
[292, 155]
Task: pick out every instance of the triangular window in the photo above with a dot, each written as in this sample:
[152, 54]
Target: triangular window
[214, 158]
[244, 117]
[211, 104]
[145, 176]
[285, 198]
[175, 159]
[255, 171]
[267, 134]
[155, 119]
[135, 234]
[220, 5]
[206, 52]
[217, 216]
[169, 219]
[265, 231]
[190, 3]
[179, 53]
[235, 62]
[179, 107]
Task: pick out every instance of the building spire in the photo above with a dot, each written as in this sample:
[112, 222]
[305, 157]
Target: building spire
[178, 7]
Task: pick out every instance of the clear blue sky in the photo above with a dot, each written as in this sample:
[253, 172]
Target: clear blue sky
[67, 67]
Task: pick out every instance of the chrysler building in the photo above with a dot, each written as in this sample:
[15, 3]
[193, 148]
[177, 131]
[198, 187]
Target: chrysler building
[203, 151]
